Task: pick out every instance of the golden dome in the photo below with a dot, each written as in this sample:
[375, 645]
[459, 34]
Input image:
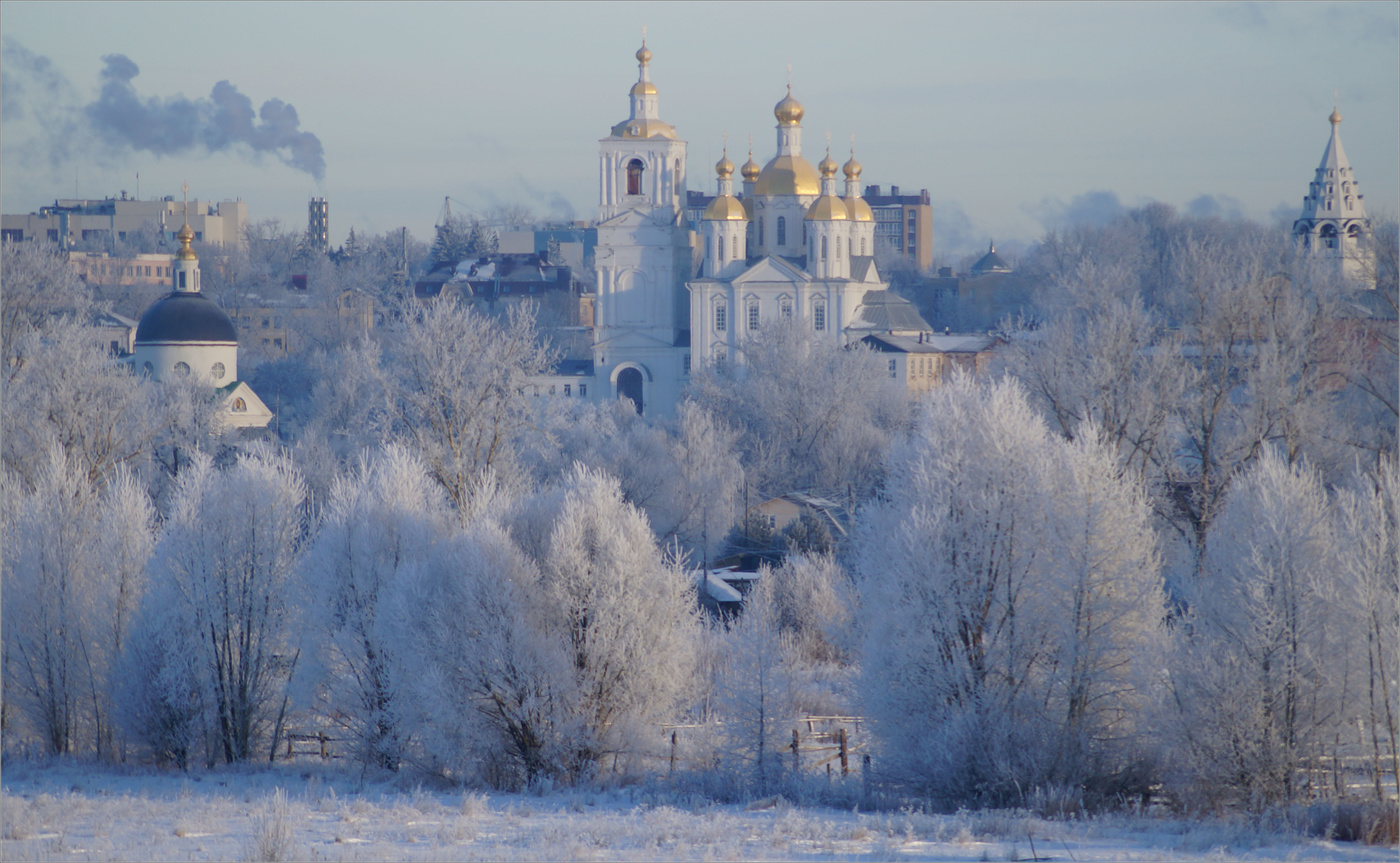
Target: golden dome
[724, 168]
[852, 168]
[827, 208]
[644, 54]
[725, 208]
[750, 169]
[1336, 116]
[788, 175]
[643, 88]
[827, 166]
[859, 211]
[185, 253]
[789, 111]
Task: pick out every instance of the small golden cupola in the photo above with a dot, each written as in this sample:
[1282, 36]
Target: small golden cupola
[185, 236]
[789, 111]
[645, 120]
[828, 207]
[751, 169]
[787, 173]
[856, 207]
[725, 207]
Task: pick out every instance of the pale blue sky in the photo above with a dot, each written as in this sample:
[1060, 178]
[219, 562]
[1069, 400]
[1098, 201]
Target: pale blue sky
[1006, 112]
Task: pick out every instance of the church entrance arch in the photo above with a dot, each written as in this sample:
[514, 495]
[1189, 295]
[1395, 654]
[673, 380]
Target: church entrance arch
[629, 386]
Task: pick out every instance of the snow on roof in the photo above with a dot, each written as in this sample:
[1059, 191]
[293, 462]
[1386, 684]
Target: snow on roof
[719, 591]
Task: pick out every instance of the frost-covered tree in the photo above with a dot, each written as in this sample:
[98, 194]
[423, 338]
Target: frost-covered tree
[455, 388]
[684, 475]
[812, 416]
[556, 644]
[1014, 579]
[1368, 542]
[756, 689]
[62, 388]
[379, 524]
[74, 555]
[1260, 675]
[222, 600]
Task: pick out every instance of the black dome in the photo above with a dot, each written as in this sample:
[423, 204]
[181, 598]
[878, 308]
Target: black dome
[185, 316]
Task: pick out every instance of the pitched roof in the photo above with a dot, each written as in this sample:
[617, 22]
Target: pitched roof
[886, 310]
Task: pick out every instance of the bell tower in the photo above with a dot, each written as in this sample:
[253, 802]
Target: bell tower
[643, 257]
[1333, 225]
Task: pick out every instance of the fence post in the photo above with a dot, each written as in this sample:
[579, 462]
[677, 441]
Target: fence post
[796, 753]
[673, 753]
[322, 736]
[845, 765]
[866, 779]
[289, 746]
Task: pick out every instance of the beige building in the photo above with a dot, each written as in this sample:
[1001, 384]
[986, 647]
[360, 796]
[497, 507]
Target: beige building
[923, 361]
[104, 269]
[73, 222]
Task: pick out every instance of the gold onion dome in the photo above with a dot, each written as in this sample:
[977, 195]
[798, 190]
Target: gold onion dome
[726, 208]
[643, 88]
[644, 54]
[827, 166]
[852, 168]
[827, 208]
[788, 175]
[185, 253]
[857, 210]
[750, 169]
[789, 111]
[724, 168]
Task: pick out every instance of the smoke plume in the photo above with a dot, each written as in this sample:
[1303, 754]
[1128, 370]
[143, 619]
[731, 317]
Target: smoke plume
[224, 121]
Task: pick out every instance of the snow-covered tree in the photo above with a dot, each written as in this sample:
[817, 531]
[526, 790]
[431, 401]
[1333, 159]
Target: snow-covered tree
[1014, 579]
[455, 388]
[222, 598]
[1260, 675]
[379, 524]
[756, 689]
[74, 556]
[565, 640]
[813, 416]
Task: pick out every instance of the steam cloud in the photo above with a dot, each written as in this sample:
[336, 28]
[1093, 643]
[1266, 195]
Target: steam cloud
[223, 121]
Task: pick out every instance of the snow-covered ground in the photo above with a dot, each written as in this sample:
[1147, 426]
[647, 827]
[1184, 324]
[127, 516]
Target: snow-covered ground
[74, 812]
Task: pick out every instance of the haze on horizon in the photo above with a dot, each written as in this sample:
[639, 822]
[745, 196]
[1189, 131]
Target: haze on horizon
[1016, 117]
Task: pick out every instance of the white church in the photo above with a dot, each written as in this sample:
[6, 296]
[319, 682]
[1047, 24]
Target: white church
[185, 334]
[791, 250]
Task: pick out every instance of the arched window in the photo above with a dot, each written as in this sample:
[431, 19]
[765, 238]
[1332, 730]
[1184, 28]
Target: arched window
[182, 368]
[240, 406]
[862, 245]
[1329, 236]
[1354, 232]
[217, 371]
[823, 248]
[629, 386]
[782, 231]
[734, 246]
[634, 176]
[719, 240]
[760, 232]
[707, 247]
[838, 250]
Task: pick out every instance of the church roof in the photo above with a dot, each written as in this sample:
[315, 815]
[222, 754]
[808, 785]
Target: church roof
[885, 310]
[1334, 193]
[185, 316]
[990, 263]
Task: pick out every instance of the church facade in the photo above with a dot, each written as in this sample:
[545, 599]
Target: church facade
[788, 251]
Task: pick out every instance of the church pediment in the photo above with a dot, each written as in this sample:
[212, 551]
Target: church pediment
[770, 270]
[242, 408]
[632, 340]
[636, 219]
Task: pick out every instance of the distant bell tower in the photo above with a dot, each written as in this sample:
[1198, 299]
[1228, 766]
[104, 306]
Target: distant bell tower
[1333, 225]
[318, 225]
[643, 256]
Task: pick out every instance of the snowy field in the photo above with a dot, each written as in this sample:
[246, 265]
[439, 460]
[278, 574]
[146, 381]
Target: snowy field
[69, 812]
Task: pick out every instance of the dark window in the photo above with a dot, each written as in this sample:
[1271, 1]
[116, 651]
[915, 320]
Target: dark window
[819, 317]
[583, 390]
[782, 231]
[634, 176]
[568, 390]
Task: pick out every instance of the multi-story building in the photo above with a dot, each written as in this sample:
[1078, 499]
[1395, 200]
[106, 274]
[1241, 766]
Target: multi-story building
[903, 223]
[74, 222]
[318, 225]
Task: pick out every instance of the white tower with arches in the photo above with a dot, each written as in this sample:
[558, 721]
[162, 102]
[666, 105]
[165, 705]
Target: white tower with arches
[1333, 225]
[643, 257]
